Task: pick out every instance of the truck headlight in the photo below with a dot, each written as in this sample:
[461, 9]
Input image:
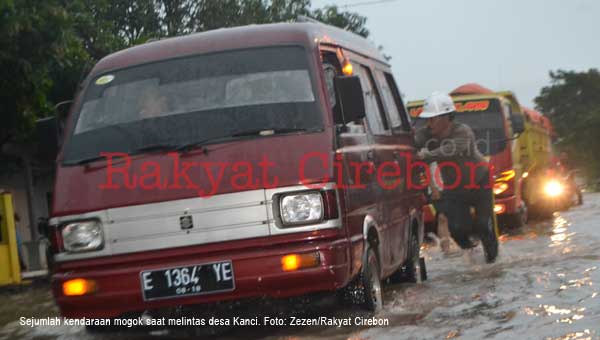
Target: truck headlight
[82, 236]
[553, 188]
[301, 208]
[500, 187]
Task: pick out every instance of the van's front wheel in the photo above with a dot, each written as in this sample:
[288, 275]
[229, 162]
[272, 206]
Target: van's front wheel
[370, 282]
[365, 290]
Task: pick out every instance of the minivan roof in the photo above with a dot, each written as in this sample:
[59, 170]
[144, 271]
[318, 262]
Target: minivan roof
[305, 33]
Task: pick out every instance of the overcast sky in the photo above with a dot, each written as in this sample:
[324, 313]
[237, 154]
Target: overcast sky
[503, 45]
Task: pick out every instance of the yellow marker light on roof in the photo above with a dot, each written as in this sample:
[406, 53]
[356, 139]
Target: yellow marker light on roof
[347, 69]
[293, 262]
[78, 287]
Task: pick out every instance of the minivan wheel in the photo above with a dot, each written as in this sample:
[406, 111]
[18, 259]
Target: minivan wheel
[371, 283]
[414, 269]
[365, 290]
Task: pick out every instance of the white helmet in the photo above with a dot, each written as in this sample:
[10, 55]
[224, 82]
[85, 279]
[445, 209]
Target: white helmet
[437, 104]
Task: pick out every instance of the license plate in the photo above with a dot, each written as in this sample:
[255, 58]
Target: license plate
[189, 280]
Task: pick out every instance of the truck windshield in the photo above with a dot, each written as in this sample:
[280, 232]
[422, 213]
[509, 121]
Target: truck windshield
[181, 101]
[485, 118]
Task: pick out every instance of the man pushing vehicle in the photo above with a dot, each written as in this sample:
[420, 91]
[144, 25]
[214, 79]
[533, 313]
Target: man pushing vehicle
[467, 200]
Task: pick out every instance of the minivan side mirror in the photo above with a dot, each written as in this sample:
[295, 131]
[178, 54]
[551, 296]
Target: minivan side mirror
[517, 122]
[62, 112]
[47, 137]
[350, 99]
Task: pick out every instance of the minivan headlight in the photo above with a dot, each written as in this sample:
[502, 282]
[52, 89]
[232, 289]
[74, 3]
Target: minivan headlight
[301, 208]
[82, 236]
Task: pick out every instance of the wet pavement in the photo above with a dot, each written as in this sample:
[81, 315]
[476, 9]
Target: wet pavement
[545, 285]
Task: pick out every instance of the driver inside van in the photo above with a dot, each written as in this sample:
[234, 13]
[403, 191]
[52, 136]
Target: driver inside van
[152, 103]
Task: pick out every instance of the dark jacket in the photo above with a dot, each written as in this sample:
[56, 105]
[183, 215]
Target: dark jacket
[456, 151]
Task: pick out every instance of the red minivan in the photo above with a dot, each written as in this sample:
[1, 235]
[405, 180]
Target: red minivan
[258, 161]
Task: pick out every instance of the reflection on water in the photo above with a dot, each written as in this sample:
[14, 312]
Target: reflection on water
[554, 310]
[584, 335]
[560, 236]
[586, 281]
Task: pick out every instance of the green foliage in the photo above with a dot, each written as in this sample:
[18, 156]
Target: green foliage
[573, 104]
[35, 37]
[47, 46]
[203, 15]
[350, 21]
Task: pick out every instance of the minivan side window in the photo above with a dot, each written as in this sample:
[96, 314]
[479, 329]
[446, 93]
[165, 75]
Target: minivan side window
[373, 106]
[398, 100]
[331, 68]
[394, 113]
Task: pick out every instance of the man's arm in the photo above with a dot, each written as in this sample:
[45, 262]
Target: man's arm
[455, 145]
[422, 135]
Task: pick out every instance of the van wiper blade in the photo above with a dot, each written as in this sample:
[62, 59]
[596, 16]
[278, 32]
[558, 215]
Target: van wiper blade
[84, 160]
[267, 131]
[189, 146]
[155, 147]
[148, 148]
[244, 133]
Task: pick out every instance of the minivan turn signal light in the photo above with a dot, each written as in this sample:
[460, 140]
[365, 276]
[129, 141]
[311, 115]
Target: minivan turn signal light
[78, 287]
[293, 262]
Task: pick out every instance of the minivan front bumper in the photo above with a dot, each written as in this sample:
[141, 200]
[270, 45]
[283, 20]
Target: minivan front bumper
[257, 271]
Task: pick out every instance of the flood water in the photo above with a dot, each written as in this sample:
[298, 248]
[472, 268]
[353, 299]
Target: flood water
[545, 285]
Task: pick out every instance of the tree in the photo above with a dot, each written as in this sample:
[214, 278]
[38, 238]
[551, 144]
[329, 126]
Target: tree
[46, 47]
[35, 40]
[352, 22]
[211, 14]
[573, 105]
[176, 16]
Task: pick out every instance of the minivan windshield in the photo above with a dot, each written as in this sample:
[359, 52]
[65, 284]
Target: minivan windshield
[485, 118]
[178, 102]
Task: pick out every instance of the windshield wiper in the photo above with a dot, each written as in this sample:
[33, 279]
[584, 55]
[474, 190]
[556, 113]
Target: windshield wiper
[84, 160]
[244, 133]
[267, 131]
[155, 147]
[191, 145]
[147, 148]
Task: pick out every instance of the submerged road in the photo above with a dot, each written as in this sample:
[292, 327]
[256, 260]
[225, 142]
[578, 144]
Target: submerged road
[545, 285]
